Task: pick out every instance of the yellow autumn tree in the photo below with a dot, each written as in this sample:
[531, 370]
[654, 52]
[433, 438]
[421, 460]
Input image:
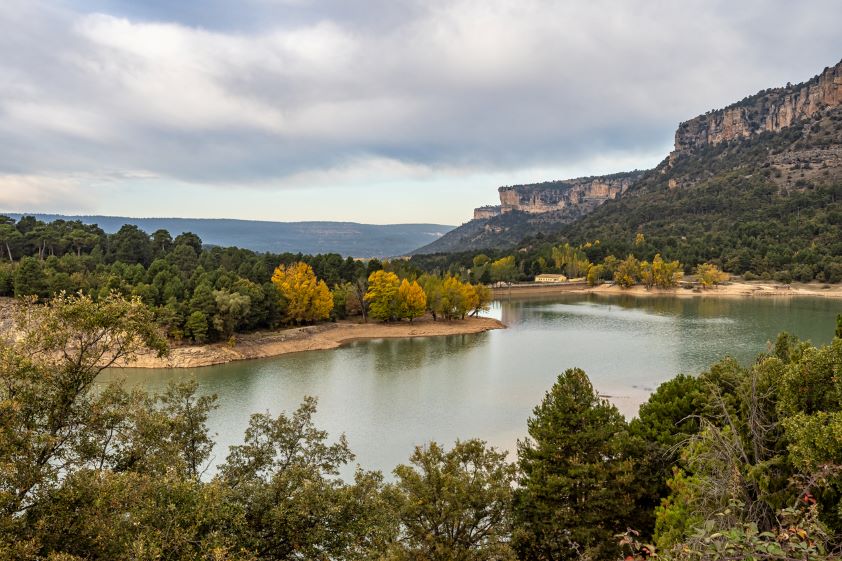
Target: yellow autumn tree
[412, 300]
[710, 275]
[483, 299]
[382, 295]
[666, 274]
[307, 298]
[627, 272]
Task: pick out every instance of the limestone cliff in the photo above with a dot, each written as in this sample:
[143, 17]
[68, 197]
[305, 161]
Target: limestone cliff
[486, 212]
[527, 210]
[580, 195]
[767, 111]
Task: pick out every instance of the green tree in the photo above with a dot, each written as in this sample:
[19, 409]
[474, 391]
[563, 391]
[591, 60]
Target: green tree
[130, 245]
[187, 415]
[189, 239]
[576, 484]
[47, 377]
[284, 476]
[161, 242]
[197, 326]
[664, 422]
[455, 504]
[232, 310]
[9, 236]
[29, 278]
[572, 261]
[504, 269]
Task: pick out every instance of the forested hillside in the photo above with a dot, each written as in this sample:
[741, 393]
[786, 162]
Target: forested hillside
[768, 205]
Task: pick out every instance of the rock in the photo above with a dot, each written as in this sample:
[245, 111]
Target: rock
[767, 111]
[581, 195]
[486, 212]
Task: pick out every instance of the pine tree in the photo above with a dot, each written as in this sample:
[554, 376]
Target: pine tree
[576, 476]
[29, 278]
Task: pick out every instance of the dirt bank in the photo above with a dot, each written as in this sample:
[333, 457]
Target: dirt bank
[312, 338]
[733, 289]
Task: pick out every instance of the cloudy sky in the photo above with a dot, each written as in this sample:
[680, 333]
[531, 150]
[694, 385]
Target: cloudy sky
[377, 111]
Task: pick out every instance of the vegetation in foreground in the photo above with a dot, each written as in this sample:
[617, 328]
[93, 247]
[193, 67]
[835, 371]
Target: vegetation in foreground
[737, 463]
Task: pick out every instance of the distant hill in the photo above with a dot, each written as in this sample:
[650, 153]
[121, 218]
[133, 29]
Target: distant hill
[345, 238]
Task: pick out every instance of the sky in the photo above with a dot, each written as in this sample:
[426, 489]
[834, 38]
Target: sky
[378, 111]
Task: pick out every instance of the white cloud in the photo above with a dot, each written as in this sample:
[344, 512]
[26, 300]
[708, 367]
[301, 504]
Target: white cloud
[348, 92]
[24, 192]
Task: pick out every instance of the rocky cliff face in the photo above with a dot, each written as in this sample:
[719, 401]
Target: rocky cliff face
[486, 212]
[527, 210]
[767, 111]
[580, 195]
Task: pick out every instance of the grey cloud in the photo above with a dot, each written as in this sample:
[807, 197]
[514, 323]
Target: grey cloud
[266, 89]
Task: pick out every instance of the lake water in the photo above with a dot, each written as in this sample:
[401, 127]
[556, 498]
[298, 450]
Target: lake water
[390, 395]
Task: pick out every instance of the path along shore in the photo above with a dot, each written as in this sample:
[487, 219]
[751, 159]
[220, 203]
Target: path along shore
[324, 336]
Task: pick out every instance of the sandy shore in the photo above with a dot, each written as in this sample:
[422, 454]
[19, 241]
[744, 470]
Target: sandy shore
[739, 289]
[311, 338]
[736, 289]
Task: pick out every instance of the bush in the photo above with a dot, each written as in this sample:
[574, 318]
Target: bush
[783, 276]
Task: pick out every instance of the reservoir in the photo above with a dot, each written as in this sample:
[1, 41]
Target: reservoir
[390, 395]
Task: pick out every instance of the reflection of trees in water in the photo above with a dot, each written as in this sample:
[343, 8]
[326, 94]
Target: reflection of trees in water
[511, 312]
[394, 356]
[695, 307]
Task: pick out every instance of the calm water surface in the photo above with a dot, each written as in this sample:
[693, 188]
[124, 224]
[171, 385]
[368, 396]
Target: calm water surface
[389, 395]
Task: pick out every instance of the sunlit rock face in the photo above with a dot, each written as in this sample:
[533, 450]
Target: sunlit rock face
[486, 212]
[582, 194]
[767, 111]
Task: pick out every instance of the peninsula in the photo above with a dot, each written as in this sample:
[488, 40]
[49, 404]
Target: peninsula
[324, 336]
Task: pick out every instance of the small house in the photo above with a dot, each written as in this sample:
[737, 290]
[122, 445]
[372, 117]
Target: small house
[550, 278]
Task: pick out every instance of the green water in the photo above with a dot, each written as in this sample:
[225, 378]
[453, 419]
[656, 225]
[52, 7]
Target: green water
[389, 395]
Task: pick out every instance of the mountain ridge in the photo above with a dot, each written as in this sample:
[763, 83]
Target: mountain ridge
[793, 158]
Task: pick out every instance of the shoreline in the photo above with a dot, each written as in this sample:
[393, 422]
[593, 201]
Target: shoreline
[326, 336]
[731, 289]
